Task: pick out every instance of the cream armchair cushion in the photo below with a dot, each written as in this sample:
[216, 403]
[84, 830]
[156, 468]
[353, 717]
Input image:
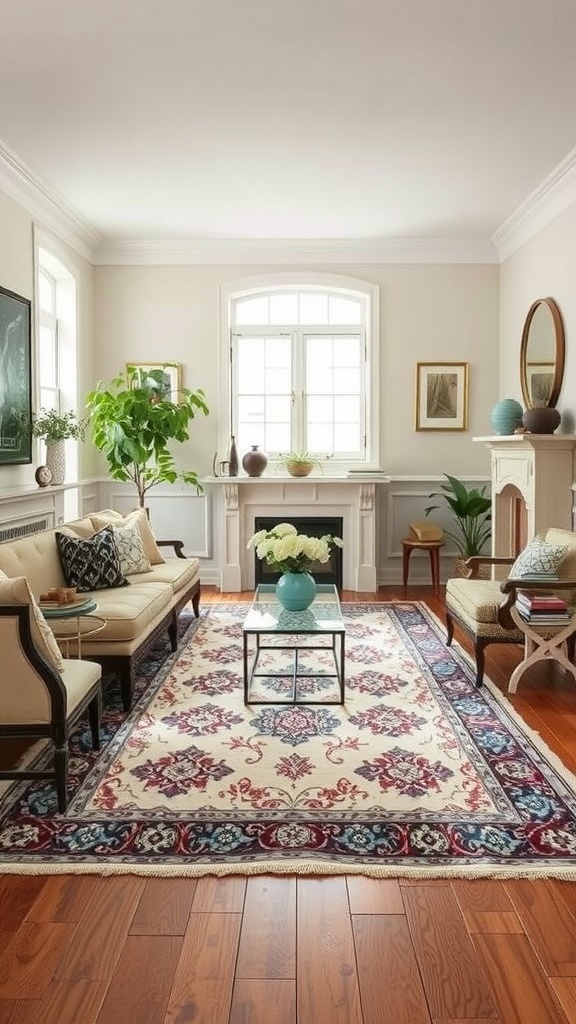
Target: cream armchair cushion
[16, 591]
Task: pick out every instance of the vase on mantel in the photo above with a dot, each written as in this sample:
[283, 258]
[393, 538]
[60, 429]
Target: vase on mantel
[56, 460]
[254, 462]
[296, 591]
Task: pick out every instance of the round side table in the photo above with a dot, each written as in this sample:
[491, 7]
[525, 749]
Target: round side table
[410, 544]
[72, 622]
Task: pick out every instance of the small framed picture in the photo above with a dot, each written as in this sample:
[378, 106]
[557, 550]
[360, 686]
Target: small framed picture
[540, 379]
[441, 396]
[170, 381]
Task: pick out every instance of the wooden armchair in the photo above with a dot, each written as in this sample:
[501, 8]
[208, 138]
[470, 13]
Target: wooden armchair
[39, 700]
[475, 604]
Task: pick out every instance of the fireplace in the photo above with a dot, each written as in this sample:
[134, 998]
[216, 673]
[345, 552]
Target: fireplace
[317, 526]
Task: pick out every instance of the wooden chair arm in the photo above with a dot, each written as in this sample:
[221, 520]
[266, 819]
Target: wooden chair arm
[474, 563]
[178, 546]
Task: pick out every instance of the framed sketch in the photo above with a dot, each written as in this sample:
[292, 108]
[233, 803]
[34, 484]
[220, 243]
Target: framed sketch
[441, 396]
[540, 379]
[171, 379]
[15, 379]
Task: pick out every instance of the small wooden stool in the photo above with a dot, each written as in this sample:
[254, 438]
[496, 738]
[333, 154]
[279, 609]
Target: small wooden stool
[410, 544]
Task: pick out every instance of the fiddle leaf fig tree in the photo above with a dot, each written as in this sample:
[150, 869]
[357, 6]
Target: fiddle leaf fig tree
[133, 420]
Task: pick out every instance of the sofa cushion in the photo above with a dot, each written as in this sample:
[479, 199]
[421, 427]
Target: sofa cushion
[178, 572]
[110, 517]
[17, 591]
[90, 563]
[129, 612]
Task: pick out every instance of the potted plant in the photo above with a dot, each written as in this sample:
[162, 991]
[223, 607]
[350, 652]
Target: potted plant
[299, 463]
[54, 428]
[134, 420]
[470, 511]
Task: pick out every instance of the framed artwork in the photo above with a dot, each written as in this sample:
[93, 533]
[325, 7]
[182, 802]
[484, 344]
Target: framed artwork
[15, 379]
[171, 377]
[540, 378]
[441, 396]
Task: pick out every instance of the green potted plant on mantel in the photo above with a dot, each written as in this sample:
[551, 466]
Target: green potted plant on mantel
[471, 513]
[54, 428]
[299, 463]
[133, 421]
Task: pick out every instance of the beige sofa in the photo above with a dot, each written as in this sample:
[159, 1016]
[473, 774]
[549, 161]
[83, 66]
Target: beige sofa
[134, 614]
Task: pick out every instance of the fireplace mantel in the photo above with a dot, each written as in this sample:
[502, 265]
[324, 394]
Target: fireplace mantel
[241, 499]
[538, 468]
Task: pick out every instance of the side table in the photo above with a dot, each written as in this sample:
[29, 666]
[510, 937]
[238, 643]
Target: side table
[544, 643]
[410, 544]
[61, 618]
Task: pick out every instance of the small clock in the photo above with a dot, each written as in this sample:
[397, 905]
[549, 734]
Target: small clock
[43, 476]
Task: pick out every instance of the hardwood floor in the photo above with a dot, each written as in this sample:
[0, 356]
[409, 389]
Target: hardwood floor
[305, 950]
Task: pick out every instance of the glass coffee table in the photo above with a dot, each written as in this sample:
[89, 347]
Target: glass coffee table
[294, 657]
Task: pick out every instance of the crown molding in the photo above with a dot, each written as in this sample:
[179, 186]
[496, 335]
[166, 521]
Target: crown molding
[295, 251]
[554, 195]
[45, 205]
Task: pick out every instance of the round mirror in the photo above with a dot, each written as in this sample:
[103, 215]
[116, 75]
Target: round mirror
[542, 354]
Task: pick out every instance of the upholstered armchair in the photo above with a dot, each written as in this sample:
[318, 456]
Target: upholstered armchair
[482, 608]
[41, 693]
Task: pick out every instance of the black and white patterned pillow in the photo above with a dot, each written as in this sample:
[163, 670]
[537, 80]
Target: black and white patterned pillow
[92, 563]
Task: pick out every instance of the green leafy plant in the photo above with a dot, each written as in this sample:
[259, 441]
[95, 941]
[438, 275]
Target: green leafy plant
[471, 512]
[58, 426]
[299, 463]
[133, 421]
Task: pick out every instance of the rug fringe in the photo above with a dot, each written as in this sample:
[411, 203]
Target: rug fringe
[294, 868]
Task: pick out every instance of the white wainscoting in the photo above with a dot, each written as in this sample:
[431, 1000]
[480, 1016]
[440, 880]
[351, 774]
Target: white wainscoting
[377, 518]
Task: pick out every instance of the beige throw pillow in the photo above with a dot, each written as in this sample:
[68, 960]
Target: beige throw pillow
[111, 518]
[15, 590]
[130, 547]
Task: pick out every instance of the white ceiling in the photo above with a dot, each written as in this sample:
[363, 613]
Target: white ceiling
[288, 119]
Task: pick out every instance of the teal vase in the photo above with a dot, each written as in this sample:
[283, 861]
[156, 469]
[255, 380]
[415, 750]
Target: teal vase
[507, 416]
[295, 591]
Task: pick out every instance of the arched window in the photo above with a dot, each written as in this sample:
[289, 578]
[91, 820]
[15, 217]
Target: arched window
[301, 361]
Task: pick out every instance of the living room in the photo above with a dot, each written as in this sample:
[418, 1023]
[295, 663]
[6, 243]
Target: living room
[165, 167]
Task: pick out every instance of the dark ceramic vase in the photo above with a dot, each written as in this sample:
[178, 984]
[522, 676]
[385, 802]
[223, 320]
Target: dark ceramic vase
[541, 420]
[233, 459]
[255, 461]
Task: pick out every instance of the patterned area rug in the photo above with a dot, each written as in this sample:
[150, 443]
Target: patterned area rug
[418, 773]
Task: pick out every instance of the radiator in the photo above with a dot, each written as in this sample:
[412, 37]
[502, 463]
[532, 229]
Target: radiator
[23, 529]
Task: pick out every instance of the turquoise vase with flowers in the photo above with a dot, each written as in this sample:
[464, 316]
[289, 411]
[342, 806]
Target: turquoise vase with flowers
[293, 555]
[296, 591]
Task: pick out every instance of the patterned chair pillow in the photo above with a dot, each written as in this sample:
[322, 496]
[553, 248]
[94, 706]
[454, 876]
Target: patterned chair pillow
[90, 563]
[538, 559]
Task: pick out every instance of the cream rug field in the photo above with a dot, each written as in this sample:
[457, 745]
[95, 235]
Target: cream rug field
[418, 773]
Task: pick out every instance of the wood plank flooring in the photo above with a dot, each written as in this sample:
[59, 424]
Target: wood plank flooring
[301, 950]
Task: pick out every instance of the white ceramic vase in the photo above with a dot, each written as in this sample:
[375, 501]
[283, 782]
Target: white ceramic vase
[56, 460]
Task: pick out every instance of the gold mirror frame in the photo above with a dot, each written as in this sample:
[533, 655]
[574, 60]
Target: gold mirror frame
[556, 363]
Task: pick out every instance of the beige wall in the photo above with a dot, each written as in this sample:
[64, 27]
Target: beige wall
[427, 314]
[542, 267]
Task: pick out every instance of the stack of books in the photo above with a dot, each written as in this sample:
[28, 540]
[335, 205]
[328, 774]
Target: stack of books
[542, 609]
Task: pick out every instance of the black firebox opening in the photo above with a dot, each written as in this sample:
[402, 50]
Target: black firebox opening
[323, 572]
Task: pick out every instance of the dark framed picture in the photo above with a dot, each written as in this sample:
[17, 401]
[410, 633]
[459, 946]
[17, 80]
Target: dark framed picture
[442, 396]
[15, 379]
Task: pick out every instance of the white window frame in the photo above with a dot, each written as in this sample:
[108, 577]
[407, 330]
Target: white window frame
[291, 281]
[50, 257]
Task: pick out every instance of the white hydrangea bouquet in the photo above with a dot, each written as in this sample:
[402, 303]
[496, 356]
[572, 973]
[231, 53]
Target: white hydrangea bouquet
[286, 550]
